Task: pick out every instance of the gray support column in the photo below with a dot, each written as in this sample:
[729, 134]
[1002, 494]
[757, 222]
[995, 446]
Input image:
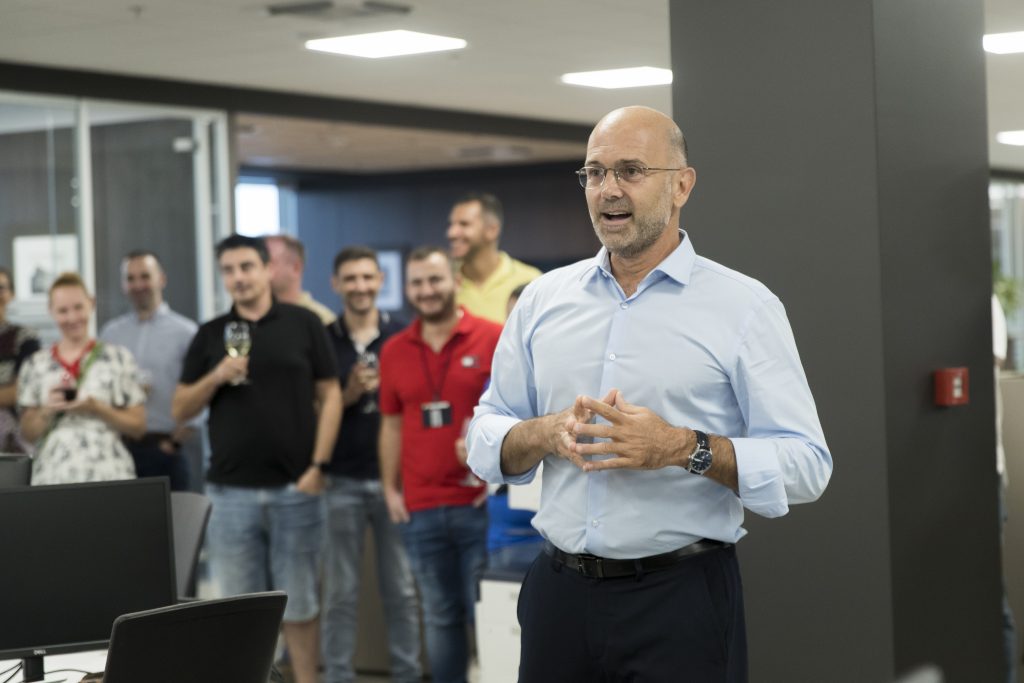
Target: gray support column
[840, 150]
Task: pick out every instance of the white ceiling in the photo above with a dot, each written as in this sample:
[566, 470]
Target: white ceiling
[517, 50]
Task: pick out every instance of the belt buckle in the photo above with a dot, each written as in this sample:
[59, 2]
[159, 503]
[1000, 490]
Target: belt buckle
[581, 566]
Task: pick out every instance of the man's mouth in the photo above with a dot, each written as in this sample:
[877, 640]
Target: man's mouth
[616, 216]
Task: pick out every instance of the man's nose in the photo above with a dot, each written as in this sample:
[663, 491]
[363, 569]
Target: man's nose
[611, 186]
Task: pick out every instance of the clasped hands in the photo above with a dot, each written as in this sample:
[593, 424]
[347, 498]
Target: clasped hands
[637, 437]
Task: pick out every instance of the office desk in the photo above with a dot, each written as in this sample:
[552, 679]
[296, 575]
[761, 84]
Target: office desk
[96, 660]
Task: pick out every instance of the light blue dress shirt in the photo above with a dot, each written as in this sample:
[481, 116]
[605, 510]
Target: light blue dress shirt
[701, 345]
[159, 345]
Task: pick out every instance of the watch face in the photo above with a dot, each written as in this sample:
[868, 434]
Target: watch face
[700, 462]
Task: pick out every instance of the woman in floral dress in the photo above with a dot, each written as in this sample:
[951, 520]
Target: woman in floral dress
[79, 397]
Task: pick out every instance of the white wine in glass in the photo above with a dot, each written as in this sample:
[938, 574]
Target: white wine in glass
[238, 342]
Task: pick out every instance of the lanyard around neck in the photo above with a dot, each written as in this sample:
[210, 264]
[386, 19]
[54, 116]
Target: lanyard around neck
[446, 360]
[77, 368]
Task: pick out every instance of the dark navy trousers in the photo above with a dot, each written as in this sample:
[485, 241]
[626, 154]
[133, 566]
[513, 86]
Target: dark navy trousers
[683, 624]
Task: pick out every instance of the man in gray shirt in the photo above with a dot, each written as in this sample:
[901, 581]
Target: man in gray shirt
[158, 337]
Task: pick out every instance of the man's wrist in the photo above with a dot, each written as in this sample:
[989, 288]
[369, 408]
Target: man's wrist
[685, 442]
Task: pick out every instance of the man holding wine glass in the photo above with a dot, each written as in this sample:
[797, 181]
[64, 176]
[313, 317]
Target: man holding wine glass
[354, 498]
[267, 373]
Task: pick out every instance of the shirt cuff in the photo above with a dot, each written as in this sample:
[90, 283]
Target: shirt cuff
[485, 437]
[761, 486]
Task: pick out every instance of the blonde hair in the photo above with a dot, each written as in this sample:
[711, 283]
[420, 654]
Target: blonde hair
[68, 280]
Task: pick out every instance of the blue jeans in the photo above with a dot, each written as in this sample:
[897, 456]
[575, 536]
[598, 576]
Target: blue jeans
[447, 547]
[351, 505]
[267, 538]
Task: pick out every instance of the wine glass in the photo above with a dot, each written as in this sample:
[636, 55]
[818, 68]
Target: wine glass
[238, 343]
[370, 360]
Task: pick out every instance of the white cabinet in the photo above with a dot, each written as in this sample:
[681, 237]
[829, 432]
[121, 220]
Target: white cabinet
[497, 631]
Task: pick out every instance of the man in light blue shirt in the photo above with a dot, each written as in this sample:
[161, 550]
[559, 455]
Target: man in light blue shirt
[158, 338]
[664, 394]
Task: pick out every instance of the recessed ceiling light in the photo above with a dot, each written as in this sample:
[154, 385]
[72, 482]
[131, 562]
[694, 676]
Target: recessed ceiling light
[386, 44]
[1004, 43]
[620, 78]
[1011, 137]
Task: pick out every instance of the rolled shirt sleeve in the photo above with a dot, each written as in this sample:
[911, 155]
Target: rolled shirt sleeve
[782, 458]
[507, 400]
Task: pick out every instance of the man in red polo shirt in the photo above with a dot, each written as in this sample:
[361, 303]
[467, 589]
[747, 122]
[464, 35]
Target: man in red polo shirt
[431, 375]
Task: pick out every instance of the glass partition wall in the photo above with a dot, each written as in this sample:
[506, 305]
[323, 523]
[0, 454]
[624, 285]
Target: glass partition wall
[1006, 200]
[83, 182]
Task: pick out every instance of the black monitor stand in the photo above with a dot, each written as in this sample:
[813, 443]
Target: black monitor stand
[32, 669]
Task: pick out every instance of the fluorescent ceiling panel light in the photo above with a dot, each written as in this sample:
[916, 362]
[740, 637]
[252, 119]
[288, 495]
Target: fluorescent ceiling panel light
[1011, 137]
[1004, 43]
[620, 78]
[386, 44]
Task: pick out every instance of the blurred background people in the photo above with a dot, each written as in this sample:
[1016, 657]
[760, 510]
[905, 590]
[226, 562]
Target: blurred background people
[287, 263]
[17, 343]
[354, 498]
[158, 339]
[486, 276]
[78, 397]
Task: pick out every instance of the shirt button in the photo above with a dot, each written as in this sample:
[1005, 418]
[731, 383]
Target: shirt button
[595, 523]
[611, 356]
[623, 305]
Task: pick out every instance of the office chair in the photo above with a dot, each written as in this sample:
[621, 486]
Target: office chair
[190, 512]
[209, 641]
[15, 470]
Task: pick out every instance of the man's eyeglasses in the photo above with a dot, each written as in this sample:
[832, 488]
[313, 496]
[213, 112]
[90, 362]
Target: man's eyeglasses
[593, 176]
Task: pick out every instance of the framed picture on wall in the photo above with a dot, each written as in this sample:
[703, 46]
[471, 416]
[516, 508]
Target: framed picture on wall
[38, 259]
[390, 297]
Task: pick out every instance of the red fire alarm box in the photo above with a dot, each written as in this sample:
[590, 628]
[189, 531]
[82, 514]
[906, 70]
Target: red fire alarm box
[951, 387]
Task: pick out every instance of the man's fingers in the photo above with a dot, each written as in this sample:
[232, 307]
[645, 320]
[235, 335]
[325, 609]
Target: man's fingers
[624, 406]
[599, 448]
[603, 409]
[595, 430]
[611, 397]
[610, 464]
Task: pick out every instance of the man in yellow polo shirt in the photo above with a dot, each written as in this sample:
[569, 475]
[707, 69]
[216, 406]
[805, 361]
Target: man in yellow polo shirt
[486, 275]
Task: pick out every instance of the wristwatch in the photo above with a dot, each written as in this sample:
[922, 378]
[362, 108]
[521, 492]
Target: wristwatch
[700, 459]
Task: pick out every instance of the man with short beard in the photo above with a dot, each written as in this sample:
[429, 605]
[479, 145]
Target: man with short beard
[432, 374]
[486, 275]
[704, 411]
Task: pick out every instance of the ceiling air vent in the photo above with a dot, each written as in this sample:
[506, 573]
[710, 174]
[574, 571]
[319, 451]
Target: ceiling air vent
[327, 10]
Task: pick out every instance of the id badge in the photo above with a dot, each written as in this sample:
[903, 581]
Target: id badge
[436, 414]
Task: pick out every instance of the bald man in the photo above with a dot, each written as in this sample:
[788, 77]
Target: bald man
[665, 396]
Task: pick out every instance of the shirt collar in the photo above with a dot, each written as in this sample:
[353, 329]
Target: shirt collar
[162, 309]
[461, 327]
[275, 307]
[678, 265]
[383, 319]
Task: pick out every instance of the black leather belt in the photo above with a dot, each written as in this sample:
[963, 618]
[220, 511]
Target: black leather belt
[596, 567]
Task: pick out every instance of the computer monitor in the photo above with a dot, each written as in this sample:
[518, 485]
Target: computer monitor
[74, 558]
[231, 640]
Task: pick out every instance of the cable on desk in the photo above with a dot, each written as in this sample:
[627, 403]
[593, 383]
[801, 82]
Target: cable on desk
[15, 670]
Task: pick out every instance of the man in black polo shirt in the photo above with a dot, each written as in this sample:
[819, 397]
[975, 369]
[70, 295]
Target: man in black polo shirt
[274, 416]
[354, 497]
